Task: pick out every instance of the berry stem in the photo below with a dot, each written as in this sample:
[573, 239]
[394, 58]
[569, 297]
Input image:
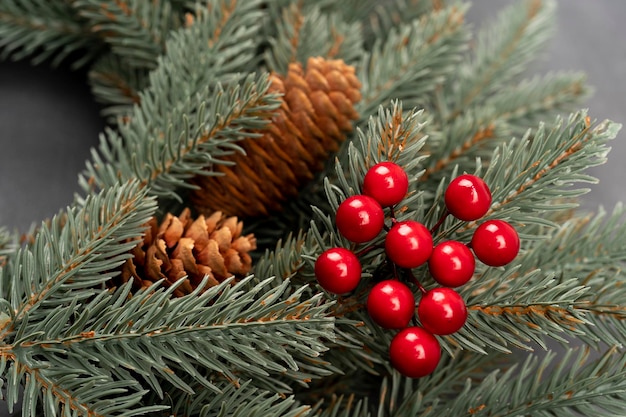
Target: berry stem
[392, 212]
[444, 216]
[413, 278]
[367, 250]
[394, 268]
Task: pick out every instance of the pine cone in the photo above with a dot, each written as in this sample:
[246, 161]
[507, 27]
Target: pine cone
[183, 248]
[315, 114]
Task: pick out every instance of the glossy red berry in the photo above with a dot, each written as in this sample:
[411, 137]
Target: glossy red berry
[442, 311]
[495, 243]
[414, 352]
[360, 218]
[452, 263]
[391, 304]
[338, 270]
[468, 197]
[408, 244]
[387, 183]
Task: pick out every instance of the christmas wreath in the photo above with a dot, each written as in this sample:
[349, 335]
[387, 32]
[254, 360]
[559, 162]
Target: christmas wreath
[315, 208]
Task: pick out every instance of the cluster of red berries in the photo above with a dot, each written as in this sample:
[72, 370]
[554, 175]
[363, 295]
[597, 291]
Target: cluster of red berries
[414, 350]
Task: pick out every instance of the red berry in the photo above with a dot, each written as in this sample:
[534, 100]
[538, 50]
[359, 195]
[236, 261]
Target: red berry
[391, 304]
[414, 352]
[468, 197]
[495, 243]
[442, 311]
[338, 270]
[408, 244]
[387, 183]
[360, 218]
[452, 263]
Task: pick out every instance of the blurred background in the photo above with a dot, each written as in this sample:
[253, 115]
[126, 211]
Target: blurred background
[49, 122]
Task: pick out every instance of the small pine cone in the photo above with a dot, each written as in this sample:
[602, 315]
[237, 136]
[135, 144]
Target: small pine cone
[184, 248]
[315, 115]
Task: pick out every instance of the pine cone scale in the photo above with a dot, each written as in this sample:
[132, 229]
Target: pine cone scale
[183, 248]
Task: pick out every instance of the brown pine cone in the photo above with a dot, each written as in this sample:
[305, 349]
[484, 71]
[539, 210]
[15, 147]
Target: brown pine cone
[184, 248]
[315, 115]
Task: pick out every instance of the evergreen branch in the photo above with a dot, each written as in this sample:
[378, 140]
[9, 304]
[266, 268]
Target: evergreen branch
[542, 171]
[512, 309]
[509, 112]
[384, 17]
[135, 29]
[237, 400]
[409, 397]
[590, 247]
[343, 406]
[43, 285]
[533, 177]
[502, 52]
[413, 60]
[236, 331]
[579, 291]
[168, 159]
[69, 390]
[522, 106]
[9, 245]
[72, 256]
[183, 127]
[472, 135]
[574, 385]
[118, 344]
[350, 10]
[44, 30]
[285, 260]
[116, 85]
[319, 34]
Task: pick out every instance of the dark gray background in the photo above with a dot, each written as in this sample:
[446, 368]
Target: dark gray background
[48, 121]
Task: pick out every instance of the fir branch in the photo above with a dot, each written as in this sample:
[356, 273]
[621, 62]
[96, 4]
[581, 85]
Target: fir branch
[44, 30]
[116, 85]
[183, 127]
[9, 244]
[302, 32]
[509, 112]
[540, 98]
[413, 60]
[73, 255]
[502, 52]
[386, 16]
[135, 29]
[343, 406]
[350, 10]
[403, 396]
[540, 172]
[67, 263]
[590, 247]
[285, 260]
[457, 145]
[575, 385]
[132, 346]
[516, 309]
[62, 390]
[237, 400]
[538, 175]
